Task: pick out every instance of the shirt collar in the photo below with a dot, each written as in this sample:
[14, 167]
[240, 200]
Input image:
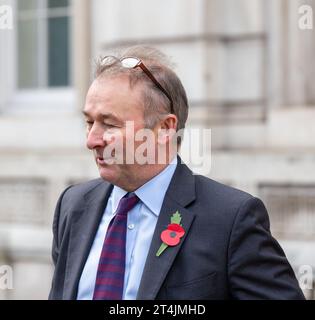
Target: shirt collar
[117, 194]
[156, 186]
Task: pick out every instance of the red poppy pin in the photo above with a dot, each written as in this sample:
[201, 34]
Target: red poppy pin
[171, 236]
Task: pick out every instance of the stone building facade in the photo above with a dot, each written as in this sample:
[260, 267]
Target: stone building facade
[249, 73]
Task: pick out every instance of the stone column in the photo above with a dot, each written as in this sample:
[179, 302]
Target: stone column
[81, 48]
[7, 58]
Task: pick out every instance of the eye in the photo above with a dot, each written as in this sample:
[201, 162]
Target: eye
[109, 125]
[89, 123]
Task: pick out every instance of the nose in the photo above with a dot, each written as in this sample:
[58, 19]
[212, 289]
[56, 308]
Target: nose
[95, 137]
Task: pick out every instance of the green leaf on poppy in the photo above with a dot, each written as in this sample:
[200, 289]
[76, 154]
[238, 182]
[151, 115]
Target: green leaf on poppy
[176, 217]
[161, 249]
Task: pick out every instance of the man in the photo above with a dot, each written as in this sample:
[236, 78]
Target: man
[151, 229]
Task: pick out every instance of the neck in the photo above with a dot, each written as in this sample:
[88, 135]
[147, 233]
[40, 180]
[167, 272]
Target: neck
[142, 176]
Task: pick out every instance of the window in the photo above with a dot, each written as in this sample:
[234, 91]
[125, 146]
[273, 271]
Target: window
[43, 44]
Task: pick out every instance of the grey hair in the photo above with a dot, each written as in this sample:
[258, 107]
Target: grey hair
[156, 104]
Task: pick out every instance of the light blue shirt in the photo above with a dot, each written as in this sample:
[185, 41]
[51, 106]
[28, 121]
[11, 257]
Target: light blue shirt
[141, 223]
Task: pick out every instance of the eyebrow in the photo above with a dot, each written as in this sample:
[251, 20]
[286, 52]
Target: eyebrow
[105, 115]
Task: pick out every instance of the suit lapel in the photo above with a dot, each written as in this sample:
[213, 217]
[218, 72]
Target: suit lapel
[180, 193]
[84, 226]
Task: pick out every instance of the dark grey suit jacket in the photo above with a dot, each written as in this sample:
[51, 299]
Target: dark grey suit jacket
[227, 251]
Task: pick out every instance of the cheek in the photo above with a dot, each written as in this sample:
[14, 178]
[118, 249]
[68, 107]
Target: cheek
[112, 136]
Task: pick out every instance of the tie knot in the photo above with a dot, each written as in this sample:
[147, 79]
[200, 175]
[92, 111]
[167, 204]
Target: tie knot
[127, 203]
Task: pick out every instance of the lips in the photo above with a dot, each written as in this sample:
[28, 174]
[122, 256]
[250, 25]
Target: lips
[99, 157]
[100, 161]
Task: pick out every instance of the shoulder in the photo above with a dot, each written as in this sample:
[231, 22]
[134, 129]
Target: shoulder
[212, 200]
[73, 199]
[74, 195]
[84, 187]
[226, 204]
[222, 194]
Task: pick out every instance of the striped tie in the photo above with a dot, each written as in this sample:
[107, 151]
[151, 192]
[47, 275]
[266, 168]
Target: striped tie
[109, 283]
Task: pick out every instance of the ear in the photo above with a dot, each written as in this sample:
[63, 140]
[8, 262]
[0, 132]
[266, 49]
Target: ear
[169, 122]
[167, 128]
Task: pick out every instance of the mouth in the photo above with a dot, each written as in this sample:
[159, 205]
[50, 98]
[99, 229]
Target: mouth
[104, 162]
[100, 161]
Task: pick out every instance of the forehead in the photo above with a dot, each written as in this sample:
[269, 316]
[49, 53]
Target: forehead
[114, 95]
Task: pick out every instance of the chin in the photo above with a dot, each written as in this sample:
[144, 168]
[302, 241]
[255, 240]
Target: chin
[109, 173]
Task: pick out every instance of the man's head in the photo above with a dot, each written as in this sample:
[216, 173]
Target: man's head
[149, 96]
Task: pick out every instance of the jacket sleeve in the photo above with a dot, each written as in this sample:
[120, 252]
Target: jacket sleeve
[57, 238]
[55, 228]
[257, 265]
